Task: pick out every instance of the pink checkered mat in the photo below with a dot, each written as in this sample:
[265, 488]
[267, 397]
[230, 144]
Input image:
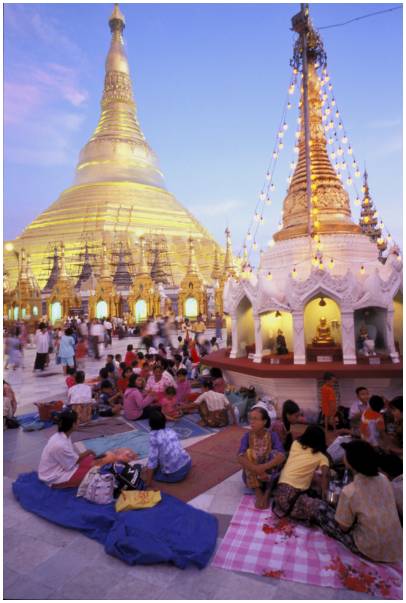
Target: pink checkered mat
[259, 543]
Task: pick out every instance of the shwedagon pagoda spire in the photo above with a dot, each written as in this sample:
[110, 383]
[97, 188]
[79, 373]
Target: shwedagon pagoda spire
[118, 193]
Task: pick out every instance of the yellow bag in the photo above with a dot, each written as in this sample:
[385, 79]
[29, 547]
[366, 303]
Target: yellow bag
[137, 499]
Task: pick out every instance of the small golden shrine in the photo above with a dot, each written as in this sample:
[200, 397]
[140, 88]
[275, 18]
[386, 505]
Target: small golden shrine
[143, 300]
[25, 300]
[105, 301]
[63, 297]
[192, 294]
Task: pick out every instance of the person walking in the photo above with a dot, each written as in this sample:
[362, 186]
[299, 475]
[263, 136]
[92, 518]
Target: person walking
[42, 343]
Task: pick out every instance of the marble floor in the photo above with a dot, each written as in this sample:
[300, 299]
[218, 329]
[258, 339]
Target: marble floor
[44, 561]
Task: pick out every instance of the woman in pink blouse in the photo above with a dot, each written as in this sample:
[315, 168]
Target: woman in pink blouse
[136, 403]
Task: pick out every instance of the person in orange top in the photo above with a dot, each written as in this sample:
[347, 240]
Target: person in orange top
[328, 401]
[122, 382]
[130, 355]
[372, 421]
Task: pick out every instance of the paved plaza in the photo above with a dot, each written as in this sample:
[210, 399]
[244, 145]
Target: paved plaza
[45, 561]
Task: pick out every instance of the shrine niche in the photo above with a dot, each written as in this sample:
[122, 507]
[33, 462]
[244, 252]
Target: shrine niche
[277, 332]
[144, 299]
[192, 292]
[322, 328]
[370, 330]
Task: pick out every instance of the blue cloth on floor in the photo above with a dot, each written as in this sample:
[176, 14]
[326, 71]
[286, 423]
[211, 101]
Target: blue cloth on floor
[171, 532]
[136, 440]
[33, 418]
[185, 427]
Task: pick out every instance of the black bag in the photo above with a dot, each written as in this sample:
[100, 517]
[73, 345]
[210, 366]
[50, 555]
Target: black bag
[12, 423]
[127, 477]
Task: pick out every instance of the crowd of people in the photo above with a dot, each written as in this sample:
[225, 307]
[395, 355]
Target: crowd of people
[294, 468]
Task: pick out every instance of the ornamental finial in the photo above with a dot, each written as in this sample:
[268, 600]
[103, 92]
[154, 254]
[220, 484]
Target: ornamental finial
[117, 21]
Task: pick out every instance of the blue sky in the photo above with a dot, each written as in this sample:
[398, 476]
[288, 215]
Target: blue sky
[210, 82]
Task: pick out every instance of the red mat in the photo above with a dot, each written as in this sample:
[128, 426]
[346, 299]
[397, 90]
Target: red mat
[213, 460]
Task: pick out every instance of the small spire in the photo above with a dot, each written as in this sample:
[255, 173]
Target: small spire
[23, 264]
[105, 271]
[117, 20]
[62, 270]
[216, 272]
[192, 265]
[143, 266]
[228, 260]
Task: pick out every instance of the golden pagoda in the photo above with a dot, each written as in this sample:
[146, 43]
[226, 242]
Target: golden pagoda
[330, 200]
[118, 193]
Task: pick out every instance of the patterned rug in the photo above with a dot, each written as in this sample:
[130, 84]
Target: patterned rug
[259, 543]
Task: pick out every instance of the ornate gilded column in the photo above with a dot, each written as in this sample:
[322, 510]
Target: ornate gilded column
[348, 337]
[234, 337]
[390, 337]
[258, 338]
[299, 350]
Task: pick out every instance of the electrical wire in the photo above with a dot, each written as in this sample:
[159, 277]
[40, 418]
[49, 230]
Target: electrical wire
[379, 12]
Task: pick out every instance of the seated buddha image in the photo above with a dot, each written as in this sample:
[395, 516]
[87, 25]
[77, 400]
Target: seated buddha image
[323, 336]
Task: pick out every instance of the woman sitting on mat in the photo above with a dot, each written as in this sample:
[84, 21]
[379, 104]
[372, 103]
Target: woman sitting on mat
[215, 409]
[366, 519]
[169, 406]
[183, 389]
[260, 455]
[307, 454]
[60, 466]
[136, 404]
[167, 460]
[291, 414]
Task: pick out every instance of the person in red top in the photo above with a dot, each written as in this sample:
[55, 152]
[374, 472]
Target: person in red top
[372, 422]
[329, 401]
[81, 353]
[130, 355]
[70, 379]
[122, 382]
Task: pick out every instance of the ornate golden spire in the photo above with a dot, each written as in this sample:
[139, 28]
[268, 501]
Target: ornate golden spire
[333, 206]
[229, 268]
[105, 273]
[23, 265]
[31, 277]
[216, 272]
[192, 268]
[117, 149]
[63, 275]
[143, 266]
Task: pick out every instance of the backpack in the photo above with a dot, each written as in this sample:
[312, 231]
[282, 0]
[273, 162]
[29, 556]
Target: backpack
[97, 487]
[127, 477]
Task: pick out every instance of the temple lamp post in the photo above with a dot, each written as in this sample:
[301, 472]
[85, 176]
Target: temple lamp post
[10, 247]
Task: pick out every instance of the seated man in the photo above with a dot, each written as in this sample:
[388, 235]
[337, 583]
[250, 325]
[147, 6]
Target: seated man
[81, 393]
[213, 407]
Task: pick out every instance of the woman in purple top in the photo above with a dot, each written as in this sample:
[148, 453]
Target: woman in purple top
[183, 388]
[260, 455]
[136, 403]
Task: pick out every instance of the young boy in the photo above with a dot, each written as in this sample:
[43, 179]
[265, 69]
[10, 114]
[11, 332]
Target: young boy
[329, 401]
[372, 421]
[108, 403]
[118, 360]
[358, 407]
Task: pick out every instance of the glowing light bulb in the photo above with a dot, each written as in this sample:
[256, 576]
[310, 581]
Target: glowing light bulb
[362, 269]
[357, 174]
[262, 196]
[292, 165]
[269, 276]
[349, 180]
[327, 111]
[275, 155]
[389, 237]
[325, 96]
[271, 243]
[366, 219]
[261, 220]
[254, 245]
[280, 134]
[269, 201]
[344, 140]
[354, 165]
[343, 165]
[321, 265]
[249, 236]
[331, 263]
[357, 201]
[280, 145]
[291, 89]
[330, 141]
[315, 260]
[296, 149]
[297, 134]
[256, 216]
[316, 224]
[375, 214]
[337, 113]
[333, 102]
[272, 187]
[299, 119]
[268, 175]
[289, 105]
[330, 87]
[333, 155]
[340, 151]
[295, 71]
[294, 273]
[381, 224]
[340, 126]
[331, 124]
[349, 150]
[285, 126]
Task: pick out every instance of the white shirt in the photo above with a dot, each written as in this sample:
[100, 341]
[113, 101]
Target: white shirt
[214, 400]
[357, 408]
[107, 325]
[58, 460]
[81, 393]
[42, 342]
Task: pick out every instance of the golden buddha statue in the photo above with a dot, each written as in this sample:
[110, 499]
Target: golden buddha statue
[323, 336]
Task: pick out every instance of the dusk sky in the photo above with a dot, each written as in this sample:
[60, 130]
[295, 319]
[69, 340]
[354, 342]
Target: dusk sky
[210, 82]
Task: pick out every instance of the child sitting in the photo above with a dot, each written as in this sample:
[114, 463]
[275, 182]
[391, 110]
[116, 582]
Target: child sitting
[372, 423]
[70, 379]
[167, 460]
[183, 389]
[108, 403]
[122, 382]
[169, 406]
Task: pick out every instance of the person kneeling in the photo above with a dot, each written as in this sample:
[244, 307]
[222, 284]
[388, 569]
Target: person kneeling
[167, 461]
[214, 408]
